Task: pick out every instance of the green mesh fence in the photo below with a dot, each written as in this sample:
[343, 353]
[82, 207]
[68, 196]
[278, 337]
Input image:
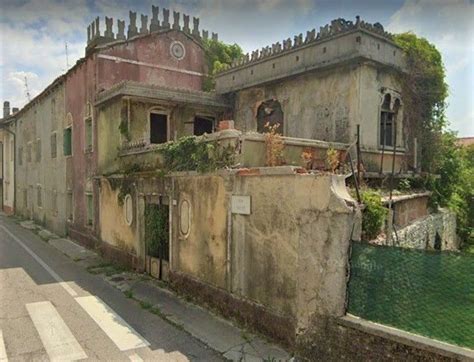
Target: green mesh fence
[423, 292]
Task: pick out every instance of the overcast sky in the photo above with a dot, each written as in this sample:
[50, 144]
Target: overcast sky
[33, 34]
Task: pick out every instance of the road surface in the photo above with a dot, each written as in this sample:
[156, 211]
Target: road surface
[52, 309]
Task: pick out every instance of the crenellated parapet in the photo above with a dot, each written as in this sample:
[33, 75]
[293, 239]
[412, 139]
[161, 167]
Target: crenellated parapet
[156, 23]
[336, 28]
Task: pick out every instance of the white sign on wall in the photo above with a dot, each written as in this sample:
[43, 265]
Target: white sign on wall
[241, 205]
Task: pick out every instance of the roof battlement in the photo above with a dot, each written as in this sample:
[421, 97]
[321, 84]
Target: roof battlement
[95, 37]
[337, 27]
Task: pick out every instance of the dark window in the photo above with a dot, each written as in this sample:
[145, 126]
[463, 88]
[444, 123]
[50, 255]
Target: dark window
[269, 112]
[158, 128]
[38, 150]
[88, 134]
[54, 149]
[203, 125]
[386, 123]
[67, 142]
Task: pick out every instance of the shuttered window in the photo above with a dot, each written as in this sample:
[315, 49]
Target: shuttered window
[67, 142]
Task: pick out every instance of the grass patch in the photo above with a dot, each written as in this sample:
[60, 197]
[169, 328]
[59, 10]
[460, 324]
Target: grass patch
[145, 305]
[128, 293]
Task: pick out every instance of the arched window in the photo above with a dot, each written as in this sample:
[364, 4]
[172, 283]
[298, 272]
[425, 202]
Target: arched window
[269, 112]
[386, 123]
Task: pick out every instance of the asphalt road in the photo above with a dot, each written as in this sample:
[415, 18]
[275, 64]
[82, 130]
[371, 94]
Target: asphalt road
[51, 309]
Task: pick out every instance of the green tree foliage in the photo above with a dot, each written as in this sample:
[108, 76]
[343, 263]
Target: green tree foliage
[219, 56]
[374, 214]
[424, 94]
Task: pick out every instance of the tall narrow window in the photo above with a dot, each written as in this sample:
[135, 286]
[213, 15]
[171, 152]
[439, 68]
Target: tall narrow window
[54, 145]
[69, 206]
[386, 123]
[158, 128]
[20, 156]
[88, 134]
[39, 195]
[38, 150]
[25, 197]
[67, 142]
[54, 201]
[28, 152]
[90, 209]
[203, 125]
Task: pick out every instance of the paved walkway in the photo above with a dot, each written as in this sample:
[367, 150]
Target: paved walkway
[222, 336]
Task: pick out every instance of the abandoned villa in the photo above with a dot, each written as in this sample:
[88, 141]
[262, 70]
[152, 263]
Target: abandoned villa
[245, 196]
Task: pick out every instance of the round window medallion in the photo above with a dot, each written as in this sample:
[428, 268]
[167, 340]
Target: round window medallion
[128, 209]
[177, 50]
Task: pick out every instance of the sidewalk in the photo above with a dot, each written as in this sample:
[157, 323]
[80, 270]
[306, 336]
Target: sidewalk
[232, 342]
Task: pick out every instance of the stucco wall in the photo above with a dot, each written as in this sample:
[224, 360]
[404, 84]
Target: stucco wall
[40, 121]
[325, 105]
[7, 172]
[157, 66]
[202, 252]
[114, 229]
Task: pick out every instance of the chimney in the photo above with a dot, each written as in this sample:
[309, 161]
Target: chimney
[15, 109]
[6, 109]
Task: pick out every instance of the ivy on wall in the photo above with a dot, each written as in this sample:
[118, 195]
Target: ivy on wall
[189, 154]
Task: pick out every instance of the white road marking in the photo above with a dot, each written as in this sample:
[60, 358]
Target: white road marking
[135, 358]
[3, 351]
[119, 331]
[57, 338]
[40, 261]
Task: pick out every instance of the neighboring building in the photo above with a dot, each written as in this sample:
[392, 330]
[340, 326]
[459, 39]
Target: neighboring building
[465, 141]
[42, 189]
[7, 160]
[324, 85]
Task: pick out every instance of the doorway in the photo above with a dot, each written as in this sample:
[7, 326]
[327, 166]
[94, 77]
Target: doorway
[157, 240]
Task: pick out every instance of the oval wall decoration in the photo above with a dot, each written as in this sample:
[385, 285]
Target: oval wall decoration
[184, 218]
[177, 50]
[128, 209]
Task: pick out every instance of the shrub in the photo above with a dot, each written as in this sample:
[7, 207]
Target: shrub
[373, 216]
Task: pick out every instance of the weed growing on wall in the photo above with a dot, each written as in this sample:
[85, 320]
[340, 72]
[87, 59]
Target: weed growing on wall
[374, 214]
[274, 145]
[189, 154]
[332, 157]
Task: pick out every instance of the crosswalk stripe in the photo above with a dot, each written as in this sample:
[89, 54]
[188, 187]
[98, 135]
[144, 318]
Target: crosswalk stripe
[57, 338]
[119, 331]
[3, 351]
[135, 358]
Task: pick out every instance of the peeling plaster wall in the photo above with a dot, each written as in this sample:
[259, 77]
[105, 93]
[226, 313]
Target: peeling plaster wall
[292, 259]
[153, 52]
[315, 105]
[327, 105]
[7, 171]
[201, 253]
[113, 227]
[39, 122]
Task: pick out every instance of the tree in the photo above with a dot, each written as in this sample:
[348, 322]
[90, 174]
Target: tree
[424, 92]
[219, 56]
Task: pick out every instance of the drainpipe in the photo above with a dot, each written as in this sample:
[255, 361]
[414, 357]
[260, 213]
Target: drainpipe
[14, 164]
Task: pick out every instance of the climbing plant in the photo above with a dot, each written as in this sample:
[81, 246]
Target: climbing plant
[156, 229]
[218, 56]
[189, 154]
[274, 145]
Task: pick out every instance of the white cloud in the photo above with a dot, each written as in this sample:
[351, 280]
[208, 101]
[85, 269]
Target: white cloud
[449, 25]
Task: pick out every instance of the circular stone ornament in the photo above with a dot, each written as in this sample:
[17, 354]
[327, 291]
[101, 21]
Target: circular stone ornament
[177, 50]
